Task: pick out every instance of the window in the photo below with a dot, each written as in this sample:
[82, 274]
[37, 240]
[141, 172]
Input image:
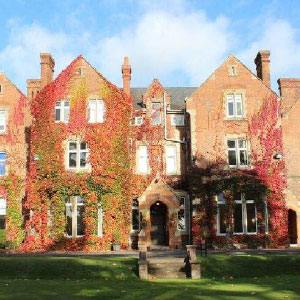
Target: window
[1, 89]
[138, 121]
[171, 161]
[237, 152]
[181, 223]
[156, 113]
[2, 213]
[100, 221]
[74, 216]
[77, 155]
[177, 120]
[3, 120]
[96, 111]
[221, 215]
[232, 70]
[235, 107]
[266, 215]
[244, 216]
[2, 163]
[62, 111]
[135, 215]
[142, 160]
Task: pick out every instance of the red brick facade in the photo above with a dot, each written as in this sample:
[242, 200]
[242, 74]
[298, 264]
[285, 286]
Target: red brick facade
[173, 136]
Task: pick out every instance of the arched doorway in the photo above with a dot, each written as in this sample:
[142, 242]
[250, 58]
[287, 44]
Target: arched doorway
[292, 226]
[158, 217]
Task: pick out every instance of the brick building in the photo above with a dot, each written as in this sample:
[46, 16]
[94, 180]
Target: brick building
[155, 166]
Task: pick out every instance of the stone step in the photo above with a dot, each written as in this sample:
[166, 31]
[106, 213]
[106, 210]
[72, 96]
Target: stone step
[166, 268]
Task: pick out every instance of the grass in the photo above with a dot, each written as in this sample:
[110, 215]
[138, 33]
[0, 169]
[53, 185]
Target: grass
[224, 277]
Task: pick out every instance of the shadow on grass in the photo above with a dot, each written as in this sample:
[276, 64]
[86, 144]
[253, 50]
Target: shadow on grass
[116, 278]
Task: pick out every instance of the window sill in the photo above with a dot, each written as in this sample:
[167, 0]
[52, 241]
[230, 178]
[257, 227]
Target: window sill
[76, 170]
[235, 119]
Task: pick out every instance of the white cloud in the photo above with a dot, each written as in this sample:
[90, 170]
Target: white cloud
[20, 58]
[280, 38]
[163, 43]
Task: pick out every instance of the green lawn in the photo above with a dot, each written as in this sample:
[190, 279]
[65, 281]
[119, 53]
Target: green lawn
[225, 277]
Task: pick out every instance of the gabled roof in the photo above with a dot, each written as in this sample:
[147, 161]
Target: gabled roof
[19, 91]
[177, 94]
[244, 66]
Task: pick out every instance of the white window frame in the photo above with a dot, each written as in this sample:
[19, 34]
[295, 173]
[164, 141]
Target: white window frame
[77, 151]
[100, 221]
[237, 150]
[64, 109]
[3, 206]
[169, 171]
[99, 111]
[73, 203]
[138, 121]
[220, 202]
[139, 169]
[5, 163]
[234, 98]
[174, 118]
[244, 203]
[4, 114]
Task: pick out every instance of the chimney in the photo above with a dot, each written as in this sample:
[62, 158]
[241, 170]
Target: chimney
[33, 88]
[47, 68]
[262, 62]
[126, 75]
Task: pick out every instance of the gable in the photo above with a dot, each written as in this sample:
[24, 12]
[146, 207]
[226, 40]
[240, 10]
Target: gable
[222, 78]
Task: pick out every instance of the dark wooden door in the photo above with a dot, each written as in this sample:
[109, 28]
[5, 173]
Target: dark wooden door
[292, 226]
[158, 224]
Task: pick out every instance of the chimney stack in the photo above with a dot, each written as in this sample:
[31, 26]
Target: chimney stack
[126, 75]
[262, 62]
[47, 68]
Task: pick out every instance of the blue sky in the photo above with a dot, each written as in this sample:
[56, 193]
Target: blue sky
[179, 42]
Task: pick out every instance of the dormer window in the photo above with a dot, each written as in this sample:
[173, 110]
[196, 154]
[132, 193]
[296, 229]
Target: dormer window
[156, 113]
[96, 111]
[62, 111]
